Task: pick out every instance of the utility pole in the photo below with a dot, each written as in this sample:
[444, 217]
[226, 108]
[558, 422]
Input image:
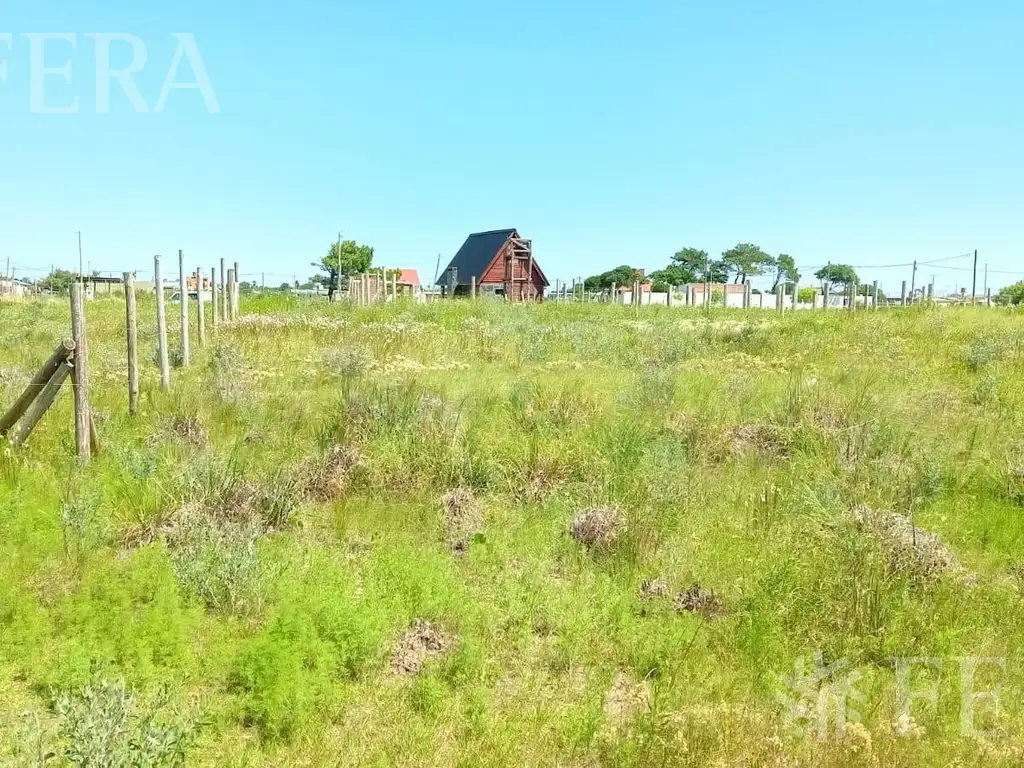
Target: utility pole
[986, 278]
[974, 278]
[81, 277]
[913, 281]
[337, 287]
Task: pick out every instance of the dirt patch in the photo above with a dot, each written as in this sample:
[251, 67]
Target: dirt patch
[418, 645]
[328, 478]
[463, 519]
[700, 601]
[652, 589]
[598, 528]
[910, 550]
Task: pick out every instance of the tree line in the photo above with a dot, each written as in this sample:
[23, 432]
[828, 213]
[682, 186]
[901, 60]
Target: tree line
[742, 262]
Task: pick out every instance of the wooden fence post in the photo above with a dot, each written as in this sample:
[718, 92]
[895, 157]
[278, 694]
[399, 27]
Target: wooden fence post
[238, 281]
[472, 287]
[161, 326]
[43, 402]
[778, 298]
[875, 300]
[223, 293]
[903, 294]
[80, 372]
[201, 308]
[230, 294]
[826, 295]
[852, 290]
[183, 292]
[16, 411]
[213, 299]
[132, 334]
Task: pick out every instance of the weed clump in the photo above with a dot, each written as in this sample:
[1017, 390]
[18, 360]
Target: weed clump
[419, 644]
[463, 519]
[701, 601]
[909, 550]
[328, 478]
[598, 528]
[652, 589]
[104, 725]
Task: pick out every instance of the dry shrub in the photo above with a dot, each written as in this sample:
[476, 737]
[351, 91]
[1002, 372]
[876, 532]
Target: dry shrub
[651, 589]
[463, 519]
[419, 644]
[910, 550]
[700, 601]
[598, 528]
[328, 478]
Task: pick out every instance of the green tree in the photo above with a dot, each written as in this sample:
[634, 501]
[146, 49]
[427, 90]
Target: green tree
[785, 270]
[698, 266]
[1012, 295]
[837, 275]
[58, 281]
[673, 274]
[621, 275]
[746, 260]
[347, 258]
[806, 295]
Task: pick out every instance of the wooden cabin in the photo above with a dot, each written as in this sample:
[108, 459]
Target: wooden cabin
[500, 263]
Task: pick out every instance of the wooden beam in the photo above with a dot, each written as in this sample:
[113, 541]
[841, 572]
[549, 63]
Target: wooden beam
[60, 355]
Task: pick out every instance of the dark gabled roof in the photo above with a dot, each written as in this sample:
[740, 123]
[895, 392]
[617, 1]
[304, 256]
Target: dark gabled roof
[476, 255]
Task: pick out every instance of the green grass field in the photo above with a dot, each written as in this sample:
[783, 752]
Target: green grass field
[346, 537]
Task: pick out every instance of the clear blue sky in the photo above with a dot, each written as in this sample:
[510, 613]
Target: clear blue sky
[866, 133]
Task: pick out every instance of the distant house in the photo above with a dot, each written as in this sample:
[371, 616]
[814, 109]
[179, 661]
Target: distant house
[408, 282]
[500, 263]
[14, 289]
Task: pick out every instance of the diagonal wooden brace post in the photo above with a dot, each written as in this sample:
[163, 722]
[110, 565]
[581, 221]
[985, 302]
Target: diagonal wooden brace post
[16, 411]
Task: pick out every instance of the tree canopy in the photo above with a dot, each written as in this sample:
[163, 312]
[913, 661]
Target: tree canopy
[837, 275]
[353, 259]
[786, 271]
[58, 281]
[1012, 294]
[698, 267]
[746, 260]
[621, 275]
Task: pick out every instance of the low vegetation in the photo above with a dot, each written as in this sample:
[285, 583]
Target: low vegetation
[569, 534]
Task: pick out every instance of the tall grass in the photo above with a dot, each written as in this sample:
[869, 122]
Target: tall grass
[258, 539]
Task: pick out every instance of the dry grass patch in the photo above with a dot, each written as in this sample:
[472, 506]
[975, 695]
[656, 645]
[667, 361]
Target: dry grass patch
[910, 550]
[328, 478]
[598, 528]
[651, 589]
[703, 602]
[418, 645]
[463, 519]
